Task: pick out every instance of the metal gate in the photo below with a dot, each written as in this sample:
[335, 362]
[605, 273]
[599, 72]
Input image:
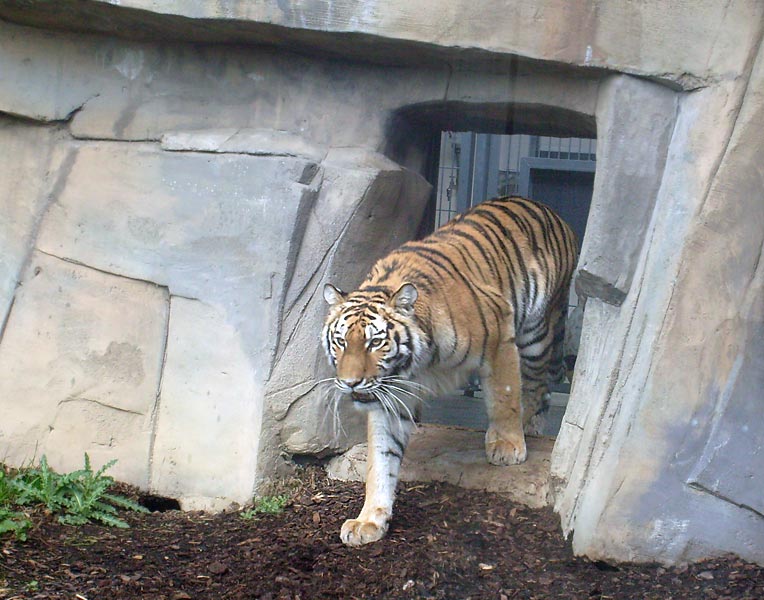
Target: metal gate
[475, 167]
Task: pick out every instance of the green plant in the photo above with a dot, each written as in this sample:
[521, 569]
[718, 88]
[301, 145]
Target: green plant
[266, 505]
[76, 498]
[14, 522]
[11, 521]
[41, 485]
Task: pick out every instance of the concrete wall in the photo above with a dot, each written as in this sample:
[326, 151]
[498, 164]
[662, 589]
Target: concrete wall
[172, 207]
[661, 452]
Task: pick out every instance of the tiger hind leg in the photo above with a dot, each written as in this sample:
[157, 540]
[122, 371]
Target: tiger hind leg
[541, 360]
[504, 439]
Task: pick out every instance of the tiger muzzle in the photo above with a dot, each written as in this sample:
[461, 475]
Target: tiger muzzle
[362, 398]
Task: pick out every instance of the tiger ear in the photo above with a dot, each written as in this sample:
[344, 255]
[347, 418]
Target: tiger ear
[332, 295]
[405, 297]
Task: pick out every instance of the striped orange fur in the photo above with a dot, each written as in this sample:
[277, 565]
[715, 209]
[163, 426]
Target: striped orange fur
[487, 291]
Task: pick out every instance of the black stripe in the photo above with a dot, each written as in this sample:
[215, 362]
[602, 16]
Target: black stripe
[535, 340]
[398, 443]
[486, 257]
[468, 352]
[537, 357]
[391, 452]
[508, 263]
[376, 289]
[488, 236]
[481, 315]
[518, 261]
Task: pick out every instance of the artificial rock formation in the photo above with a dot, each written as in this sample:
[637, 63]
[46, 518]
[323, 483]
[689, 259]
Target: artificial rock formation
[178, 181]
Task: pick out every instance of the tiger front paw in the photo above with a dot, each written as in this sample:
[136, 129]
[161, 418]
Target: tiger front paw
[506, 449]
[356, 532]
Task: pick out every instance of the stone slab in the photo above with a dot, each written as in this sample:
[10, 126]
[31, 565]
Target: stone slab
[362, 193]
[47, 76]
[659, 372]
[643, 113]
[133, 90]
[262, 142]
[210, 406]
[686, 43]
[79, 369]
[457, 455]
[29, 157]
[222, 228]
[324, 102]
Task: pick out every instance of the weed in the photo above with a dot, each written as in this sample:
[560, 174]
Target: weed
[76, 498]
[266, 505]
[14, 522]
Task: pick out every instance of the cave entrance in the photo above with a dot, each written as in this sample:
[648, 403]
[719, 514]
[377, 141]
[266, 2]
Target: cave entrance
[634, 123]
[470, 152]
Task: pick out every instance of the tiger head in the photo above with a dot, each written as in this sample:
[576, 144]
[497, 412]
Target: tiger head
[371, 338]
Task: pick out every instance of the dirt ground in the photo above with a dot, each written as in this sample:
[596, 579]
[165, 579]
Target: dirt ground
[444, 542]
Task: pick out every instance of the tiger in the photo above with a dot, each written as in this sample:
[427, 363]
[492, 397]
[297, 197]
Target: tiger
[487, 292]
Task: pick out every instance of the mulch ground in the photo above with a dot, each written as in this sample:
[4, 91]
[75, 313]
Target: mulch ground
[445, 542]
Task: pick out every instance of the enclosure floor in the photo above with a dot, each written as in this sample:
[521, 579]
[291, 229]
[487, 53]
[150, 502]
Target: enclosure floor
[466, 411]
[456, 455]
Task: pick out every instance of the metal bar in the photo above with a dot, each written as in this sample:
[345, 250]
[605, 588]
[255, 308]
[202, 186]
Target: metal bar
[492, 179]
[466, 167]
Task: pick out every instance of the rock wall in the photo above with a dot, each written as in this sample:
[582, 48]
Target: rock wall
[146, 268]
[172, 208]
[660, 457]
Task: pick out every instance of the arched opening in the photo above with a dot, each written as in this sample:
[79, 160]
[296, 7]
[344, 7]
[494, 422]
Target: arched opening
[474, 152]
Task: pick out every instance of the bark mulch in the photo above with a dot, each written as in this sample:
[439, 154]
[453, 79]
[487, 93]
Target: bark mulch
[445, 542]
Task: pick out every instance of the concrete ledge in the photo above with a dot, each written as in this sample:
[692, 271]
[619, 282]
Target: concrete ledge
[456, 455]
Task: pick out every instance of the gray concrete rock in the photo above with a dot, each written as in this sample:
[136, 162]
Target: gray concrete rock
[47, 97]
[209, 413]
[676, 42]
[629, 180]
[29, 155]
[659, 377]
[79, 369]
[220, 228]
[368, 206]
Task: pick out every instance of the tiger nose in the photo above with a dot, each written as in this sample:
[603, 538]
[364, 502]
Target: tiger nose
[352, 383]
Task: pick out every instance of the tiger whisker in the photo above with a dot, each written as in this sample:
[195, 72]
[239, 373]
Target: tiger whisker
[327, 399]
[409, 393]
[405, 407]
[393, 415]
[312, 383]
[394, 401]
[331, 399]
[397, 386]
[380, 395]
[337, 423]
[413, 384]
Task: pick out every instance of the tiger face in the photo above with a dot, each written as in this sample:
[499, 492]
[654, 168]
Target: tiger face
[371, 339]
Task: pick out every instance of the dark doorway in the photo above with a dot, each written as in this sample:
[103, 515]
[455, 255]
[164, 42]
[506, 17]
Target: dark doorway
[563, 185]
[474, 167]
